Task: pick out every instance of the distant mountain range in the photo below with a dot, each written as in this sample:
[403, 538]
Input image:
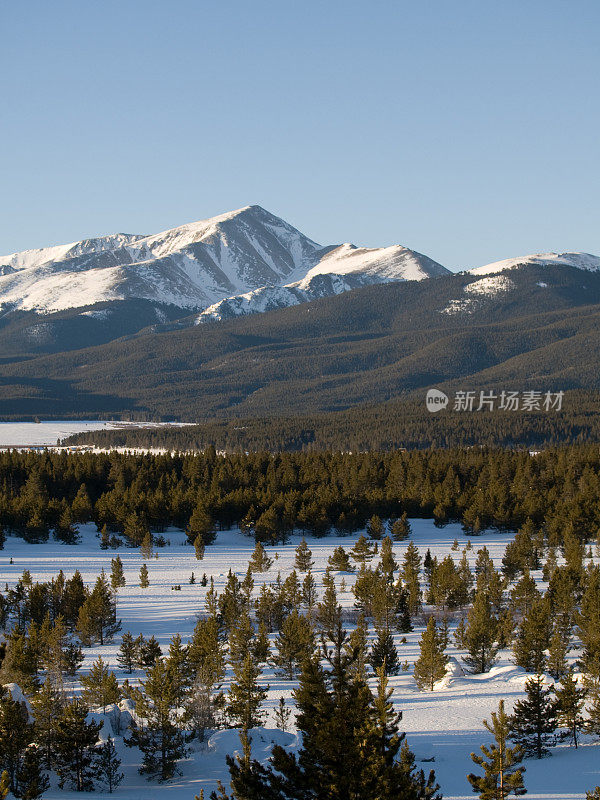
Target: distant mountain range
[110, 325]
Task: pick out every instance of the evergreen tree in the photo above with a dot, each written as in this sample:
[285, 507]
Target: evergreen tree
[430, 667]
[144, 580]
[199, 547]
[411, 570]
[282, 715]
[104, 538]
[117, 574]
[388, 563]
[357, 648]
[4, 784]
[401, 528]
[502, 774]
[309, 592]
[147, 546]
[47, 705]
[127, 656]
[260, 561]
[304, 561]
[75, 747]
[100, 686]
[557, 654]
[158, 735]
[241, 636]
[533, 638]
[295, 643]
[362, 552]
[375, 528]
[534, 721]
[149, 652]
[339, 560]
[98, 616]
[481, 635]
[201, 524]
[329, 612]
[108, 766]
[384, 654]
[569, 704]
[246, 695]
[31, 781]
[16, 735]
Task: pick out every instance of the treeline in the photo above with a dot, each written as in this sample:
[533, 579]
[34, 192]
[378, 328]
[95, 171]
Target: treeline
[269, 496]
[384, 426]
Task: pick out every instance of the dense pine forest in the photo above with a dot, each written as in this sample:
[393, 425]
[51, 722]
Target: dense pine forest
[268, 495]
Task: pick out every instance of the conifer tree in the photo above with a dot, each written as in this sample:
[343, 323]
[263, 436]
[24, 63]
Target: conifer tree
[481, 635]
[75, 747]
[282, 715]
[362, 552]
[144, 580]
[4, 784]
[375, 527]
[339, 560]
[199, 547]
[31, 781]
[502, 774]
[206, 650]
[401, 528]
[329, 613]
[241, 636]
[149, 652]
[146, 546]
[117, 574]
[100, 686]
[304, 561]
[430, 667]
[127, 656]
[246, 695]
[108, 766]
[533, 638]
[592, 723]
[388, 563]
[384, 653]
[557, 654]
[98, 616]
[261, 645]
[411, 570]
[158, 735]
[534, 721]
[569, 704]
[47, 705]
[16, 735]
[357, 648]
[260, 561]
[295, 643]
[104, 538]
[309, 592]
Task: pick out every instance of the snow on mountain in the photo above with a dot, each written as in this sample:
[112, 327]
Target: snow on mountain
[338, 270]
[240, 262]
[489, 287]
[579, 260]
[191, 266]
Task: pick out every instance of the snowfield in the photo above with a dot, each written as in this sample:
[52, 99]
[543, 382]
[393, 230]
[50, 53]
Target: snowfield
[445, 725]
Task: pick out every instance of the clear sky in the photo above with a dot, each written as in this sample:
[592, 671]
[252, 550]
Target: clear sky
[466, 129]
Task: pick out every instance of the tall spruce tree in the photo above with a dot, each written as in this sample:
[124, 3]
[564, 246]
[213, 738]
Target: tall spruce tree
[117, 573]
[384, 654]
[246, 695]
[16, 735]
[533, 722]
[431, 664]
[295, 643]
[500, 763]
[75, 747]
[100, 686]
[158, 734]
[304, 561]
[569, 706]
[481, 635]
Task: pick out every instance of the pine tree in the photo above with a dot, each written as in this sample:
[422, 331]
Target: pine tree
[384, 653]
[158, 735]
[261, 646]
[534, 720]
[592, 724]
[401, 528]
[329, 612]
[108, 766]
[558, 650]
[304, 562]
[246, 695]
[104, 538]
[149, 652]
[100, 686]
[533, 638]
[31, 781]
[146, 546]
[16, 735]
[362, 552]
[75, 745]
[126, 657]
[339, 560]
[388, 563]
[47, 705]
[569, 704]
[199, 547]
[282, 715]
[4, 784]
[295, 643]
[241, 636]
[411, 570]
[309, 592]
[357, 648]
[201, 524]
[117, 574]
[375, 527]
[98, 615]
[144, 580]
[502, 774]
[481, 635]
[430, 667]
[260, 561]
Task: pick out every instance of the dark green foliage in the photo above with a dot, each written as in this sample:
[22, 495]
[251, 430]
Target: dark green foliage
[75, 747]
[481, 635]
[502, 774]
[431, 664]
[533, 722]
[569, 705]
[246, 695]
[108, 766]
[384, 654]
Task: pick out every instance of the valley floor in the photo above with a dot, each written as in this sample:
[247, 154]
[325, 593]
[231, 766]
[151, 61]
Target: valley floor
[445, 725]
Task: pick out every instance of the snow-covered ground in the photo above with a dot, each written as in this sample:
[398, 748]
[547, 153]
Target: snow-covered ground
[446, 724]
[47, 434]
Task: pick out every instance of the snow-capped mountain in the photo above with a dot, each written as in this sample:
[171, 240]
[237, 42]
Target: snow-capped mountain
[579, 260]
[338, 270]
[196, 265]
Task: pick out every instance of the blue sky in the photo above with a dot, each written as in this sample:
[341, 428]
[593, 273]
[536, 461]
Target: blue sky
[467, 130]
